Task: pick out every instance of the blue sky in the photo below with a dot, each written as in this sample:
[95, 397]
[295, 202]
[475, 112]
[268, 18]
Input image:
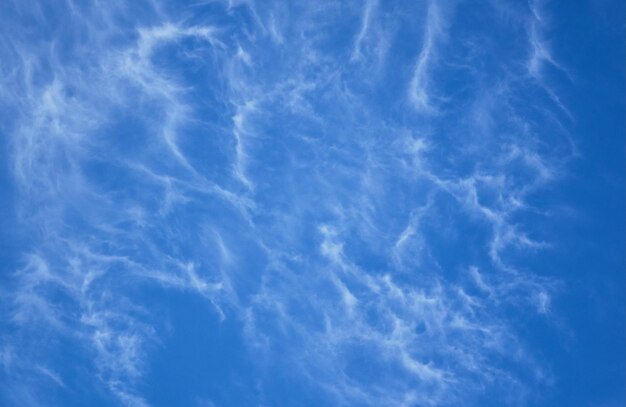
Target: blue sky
[312, 203]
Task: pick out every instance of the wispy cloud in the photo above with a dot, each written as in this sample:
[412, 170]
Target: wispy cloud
[421, 85]
[260, 160]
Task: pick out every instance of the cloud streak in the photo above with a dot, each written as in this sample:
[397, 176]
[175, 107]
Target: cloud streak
[263, 161]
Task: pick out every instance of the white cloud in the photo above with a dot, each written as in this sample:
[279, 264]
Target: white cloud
[421, 84]
[326, 224]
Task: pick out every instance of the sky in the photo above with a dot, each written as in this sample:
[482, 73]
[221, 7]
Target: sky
[312, 203]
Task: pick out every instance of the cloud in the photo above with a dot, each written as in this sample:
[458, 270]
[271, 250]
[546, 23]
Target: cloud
[229, 153]
[368, 10]
[541, 53]
[421, 84]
